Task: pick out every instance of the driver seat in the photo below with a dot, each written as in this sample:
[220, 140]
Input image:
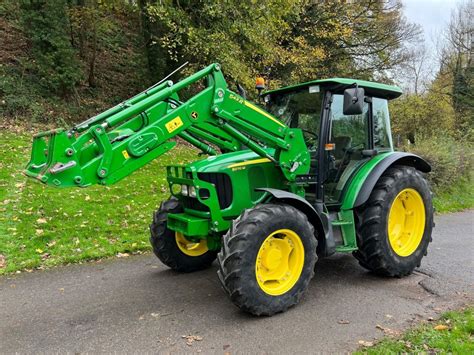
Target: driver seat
[342, 144]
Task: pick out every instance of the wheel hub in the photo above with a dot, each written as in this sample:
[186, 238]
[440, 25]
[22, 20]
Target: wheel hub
[406, 222]
[191, 248]
[279, 262]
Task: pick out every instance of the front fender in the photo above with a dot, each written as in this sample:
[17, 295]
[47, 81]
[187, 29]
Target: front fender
[361, 185]
[319, 219]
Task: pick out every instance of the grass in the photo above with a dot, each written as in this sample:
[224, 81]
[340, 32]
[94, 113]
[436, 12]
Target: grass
[459, 197]
[42, 226]
[453, 333]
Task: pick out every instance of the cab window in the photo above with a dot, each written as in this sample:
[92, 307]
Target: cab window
[348, 137]
[299, 109]
[382, 135]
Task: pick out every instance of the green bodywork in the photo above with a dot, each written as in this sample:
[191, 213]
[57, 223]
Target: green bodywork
[260, 152]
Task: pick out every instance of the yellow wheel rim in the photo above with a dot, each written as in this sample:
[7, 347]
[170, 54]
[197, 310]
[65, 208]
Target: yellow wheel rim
[406, 222]
[279, 262]
[190, 248]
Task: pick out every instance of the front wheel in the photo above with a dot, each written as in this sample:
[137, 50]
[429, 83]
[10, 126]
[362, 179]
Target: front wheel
[395, 224]
[173, 248]
[267, 258]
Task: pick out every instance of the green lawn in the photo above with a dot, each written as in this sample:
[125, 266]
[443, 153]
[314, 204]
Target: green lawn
[42, 226]
[453, 333]
[458, 197]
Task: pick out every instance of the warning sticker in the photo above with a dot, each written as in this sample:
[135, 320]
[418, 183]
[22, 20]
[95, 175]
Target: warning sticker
[174, 124]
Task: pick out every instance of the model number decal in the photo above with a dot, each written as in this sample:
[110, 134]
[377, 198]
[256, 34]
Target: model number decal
[236, 98]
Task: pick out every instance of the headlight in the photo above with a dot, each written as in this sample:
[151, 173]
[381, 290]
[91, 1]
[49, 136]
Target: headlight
[175, 189]
[184, 190]
[192, 191]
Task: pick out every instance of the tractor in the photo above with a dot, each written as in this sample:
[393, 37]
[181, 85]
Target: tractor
[307, 171]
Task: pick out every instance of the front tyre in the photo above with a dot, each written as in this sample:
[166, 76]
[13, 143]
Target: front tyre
[394, 226]
[173, 248]
[267, 259]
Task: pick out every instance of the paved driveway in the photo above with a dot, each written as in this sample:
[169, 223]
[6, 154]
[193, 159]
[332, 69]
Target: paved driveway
[136, 304]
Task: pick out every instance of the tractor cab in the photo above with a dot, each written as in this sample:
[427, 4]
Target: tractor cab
[345, 122]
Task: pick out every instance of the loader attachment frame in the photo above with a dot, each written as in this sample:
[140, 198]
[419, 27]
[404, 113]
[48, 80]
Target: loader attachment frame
[110, 146]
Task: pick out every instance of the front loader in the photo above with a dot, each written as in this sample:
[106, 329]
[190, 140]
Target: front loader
[309, 172]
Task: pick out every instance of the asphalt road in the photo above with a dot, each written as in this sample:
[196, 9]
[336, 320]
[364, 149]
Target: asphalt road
[136, 304]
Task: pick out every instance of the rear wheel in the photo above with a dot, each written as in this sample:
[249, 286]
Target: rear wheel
[173, 248]
[267, 259]
[395, 225]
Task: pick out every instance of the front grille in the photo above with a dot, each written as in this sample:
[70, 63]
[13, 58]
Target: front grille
[194, 204]
[223, 188]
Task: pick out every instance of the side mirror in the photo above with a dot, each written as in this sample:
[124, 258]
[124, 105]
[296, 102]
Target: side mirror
[353, 101]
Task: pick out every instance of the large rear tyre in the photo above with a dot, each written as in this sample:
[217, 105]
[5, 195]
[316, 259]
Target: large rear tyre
[267, 259]
[172, 248]
[394, 226]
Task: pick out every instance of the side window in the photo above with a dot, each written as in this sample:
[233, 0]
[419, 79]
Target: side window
[350, 131]
[382, 135]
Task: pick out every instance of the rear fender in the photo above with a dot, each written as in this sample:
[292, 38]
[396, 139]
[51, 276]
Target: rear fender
[370, 177]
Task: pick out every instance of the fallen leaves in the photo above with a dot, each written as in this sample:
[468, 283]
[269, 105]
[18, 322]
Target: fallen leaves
[343, 321]
[190, 339]
[39, 232]
[45, 256]
[387, 331]
[365, 343]
[441, 327]
[20, 185]
[3, 262]
[123, 255]
[41, 221]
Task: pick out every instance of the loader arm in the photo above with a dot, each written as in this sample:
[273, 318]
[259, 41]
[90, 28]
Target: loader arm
[110, 146]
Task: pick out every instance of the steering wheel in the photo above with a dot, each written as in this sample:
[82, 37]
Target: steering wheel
[310, 140]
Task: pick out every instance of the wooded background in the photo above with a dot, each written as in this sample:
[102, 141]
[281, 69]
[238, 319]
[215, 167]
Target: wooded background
[62, 61]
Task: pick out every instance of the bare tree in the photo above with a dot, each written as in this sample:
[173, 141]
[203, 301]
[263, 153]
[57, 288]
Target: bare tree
[416, 71]
[456, 55]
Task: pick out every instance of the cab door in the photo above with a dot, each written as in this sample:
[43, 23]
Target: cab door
[347, 139]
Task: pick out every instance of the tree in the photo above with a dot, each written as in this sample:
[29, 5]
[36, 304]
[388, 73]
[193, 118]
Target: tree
[415, 71]
[90, 23]
[54, 61]
[242, 36]
[457, 55]
[363, 39]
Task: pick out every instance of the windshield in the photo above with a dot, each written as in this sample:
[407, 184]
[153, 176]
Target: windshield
[298, 109]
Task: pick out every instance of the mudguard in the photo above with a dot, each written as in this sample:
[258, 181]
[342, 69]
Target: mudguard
[316, 217]
[395, 158]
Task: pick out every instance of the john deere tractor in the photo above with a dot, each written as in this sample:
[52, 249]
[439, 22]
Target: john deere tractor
[308, 172]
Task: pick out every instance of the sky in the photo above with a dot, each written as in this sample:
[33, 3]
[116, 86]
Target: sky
[432, 15]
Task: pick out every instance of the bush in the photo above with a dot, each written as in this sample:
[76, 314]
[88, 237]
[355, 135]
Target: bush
[451, 160]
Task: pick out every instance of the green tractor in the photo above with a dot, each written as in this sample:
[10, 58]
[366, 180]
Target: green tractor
[308, 172]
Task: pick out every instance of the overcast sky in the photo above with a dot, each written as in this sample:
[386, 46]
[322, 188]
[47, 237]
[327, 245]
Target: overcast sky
[432, 15]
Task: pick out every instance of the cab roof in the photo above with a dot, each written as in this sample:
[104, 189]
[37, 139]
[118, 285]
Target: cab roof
[385, 91]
